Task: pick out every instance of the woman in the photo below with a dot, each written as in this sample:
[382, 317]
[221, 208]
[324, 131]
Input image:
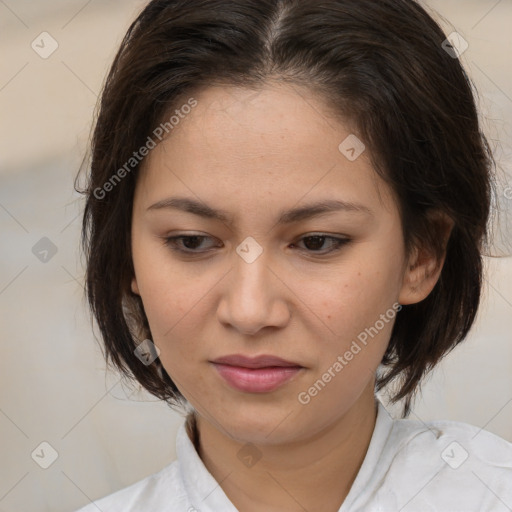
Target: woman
[286, 212]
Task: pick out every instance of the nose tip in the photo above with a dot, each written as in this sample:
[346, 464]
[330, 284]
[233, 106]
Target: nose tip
[252, 296]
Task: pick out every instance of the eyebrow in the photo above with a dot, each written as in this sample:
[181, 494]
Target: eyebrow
[285, 217]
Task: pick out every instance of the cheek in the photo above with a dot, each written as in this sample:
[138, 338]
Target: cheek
[178, 300]
[174, 307]
[172, 303]
[168, 289]
[359, 295]
[166, 292]
[359, 309]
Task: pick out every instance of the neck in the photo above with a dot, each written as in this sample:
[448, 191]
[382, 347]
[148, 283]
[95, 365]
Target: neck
[313, 473]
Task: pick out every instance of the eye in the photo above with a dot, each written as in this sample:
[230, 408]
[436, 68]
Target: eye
[191, 243]
[315, 242]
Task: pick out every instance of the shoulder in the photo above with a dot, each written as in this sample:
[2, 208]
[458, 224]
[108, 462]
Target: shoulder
[447, 465]
[157, 492]
[454, 442]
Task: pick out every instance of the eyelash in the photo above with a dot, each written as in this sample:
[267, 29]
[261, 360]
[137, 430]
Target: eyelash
[172, 241]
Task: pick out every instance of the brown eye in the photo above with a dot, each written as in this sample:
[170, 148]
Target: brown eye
[186, 243]
[315, 243]
[193, 244]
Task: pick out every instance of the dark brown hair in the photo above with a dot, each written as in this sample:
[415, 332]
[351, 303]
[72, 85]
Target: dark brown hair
[380, 65]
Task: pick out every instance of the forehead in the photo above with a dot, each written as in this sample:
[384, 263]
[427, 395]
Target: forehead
[276, 122]
[243, 146]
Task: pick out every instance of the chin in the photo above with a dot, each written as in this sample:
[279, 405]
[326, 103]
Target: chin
[265, 424]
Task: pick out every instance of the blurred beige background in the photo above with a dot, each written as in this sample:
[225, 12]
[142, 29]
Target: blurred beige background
[53, 384]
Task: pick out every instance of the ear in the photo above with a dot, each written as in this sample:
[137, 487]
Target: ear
[424, 266]
[135, 287]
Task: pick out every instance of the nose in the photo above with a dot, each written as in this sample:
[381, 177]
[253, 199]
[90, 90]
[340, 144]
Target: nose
[253, 297]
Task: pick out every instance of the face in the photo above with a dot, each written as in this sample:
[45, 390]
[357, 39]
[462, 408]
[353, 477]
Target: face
[256, 279]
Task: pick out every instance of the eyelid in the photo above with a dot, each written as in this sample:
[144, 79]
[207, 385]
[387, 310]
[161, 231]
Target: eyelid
[339, 241]
[170, 242]
[336, 240]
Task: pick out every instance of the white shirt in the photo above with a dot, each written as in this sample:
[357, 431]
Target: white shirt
[440, 466]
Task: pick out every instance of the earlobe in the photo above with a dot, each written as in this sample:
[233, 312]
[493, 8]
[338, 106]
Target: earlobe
[135, 288]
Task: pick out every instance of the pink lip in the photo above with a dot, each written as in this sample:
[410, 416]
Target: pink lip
[260, 374]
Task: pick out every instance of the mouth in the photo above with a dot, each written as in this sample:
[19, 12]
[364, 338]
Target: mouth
[261, 374]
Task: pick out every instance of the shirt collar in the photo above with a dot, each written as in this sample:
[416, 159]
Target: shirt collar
[203, 491]
[368, 473]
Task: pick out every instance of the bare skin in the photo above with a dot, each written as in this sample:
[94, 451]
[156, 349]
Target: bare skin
[254, 155]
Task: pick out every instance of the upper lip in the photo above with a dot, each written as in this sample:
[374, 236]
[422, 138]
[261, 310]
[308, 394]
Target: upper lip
[263, 361]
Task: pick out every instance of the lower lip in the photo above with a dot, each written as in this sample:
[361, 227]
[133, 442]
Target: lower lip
[256, 380]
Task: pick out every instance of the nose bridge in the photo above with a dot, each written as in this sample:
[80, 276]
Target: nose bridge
[251, 300]
[251, 262]
[251, 284]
